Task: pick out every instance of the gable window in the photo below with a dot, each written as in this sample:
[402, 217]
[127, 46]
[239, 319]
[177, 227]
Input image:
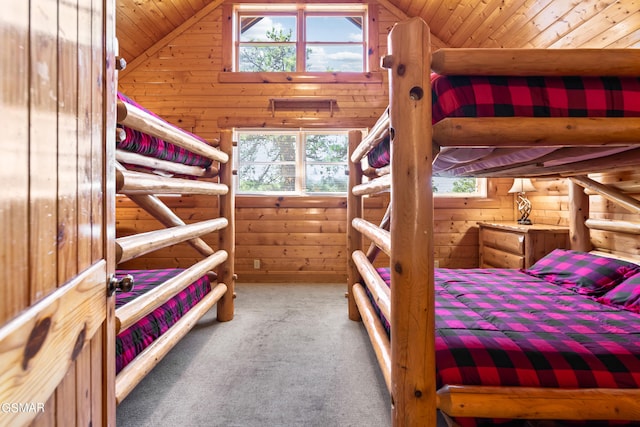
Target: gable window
[300, 38]
[291, 161]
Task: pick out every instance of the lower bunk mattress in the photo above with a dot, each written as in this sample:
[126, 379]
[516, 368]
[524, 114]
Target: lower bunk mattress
[133, 340]
[509, 96]
[537, 328]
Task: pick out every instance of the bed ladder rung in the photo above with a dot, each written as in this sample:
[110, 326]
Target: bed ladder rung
[136, 118]
[152, 163]
[382, 238]
[135, 310]
[129, 182]
[160, 211]
[378, 133]
[375, 284]
[377, 333]
[375, 186]
[133, 246]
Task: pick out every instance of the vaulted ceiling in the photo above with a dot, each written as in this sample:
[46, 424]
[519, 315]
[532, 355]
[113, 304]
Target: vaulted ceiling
[457, 23]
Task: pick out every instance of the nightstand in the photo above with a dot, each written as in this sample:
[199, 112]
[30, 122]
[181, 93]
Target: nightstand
[512, 245]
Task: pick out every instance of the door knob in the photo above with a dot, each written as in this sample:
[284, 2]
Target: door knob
[123, 284]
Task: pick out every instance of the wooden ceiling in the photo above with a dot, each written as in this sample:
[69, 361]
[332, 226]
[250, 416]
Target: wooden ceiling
[458, 23]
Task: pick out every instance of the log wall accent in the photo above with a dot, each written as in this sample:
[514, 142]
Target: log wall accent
[181, 78]
[298, 242]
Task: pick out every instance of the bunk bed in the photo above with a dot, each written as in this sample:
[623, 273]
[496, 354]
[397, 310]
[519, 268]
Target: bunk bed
[413, 297]
[156, 308]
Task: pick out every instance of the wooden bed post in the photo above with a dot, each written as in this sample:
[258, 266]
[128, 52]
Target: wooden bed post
[578, 214]
[413, 386]
[226, 237]
[354, 237]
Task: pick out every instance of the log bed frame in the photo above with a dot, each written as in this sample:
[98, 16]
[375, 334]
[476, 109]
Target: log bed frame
[407, 362]
[143, 188]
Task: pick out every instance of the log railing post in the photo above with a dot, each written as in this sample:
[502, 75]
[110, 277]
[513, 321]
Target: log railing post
[226, 237]
[578, 214]
[354, 237]
[413, 386]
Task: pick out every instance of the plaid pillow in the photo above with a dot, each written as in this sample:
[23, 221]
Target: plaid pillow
[625, 295]
[582, 272]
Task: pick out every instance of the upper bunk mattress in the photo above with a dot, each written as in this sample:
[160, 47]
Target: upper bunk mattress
[151, 146]
[133, 340]
[509, 96]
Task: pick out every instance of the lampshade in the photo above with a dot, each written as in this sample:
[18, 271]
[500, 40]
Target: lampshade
[522, 185]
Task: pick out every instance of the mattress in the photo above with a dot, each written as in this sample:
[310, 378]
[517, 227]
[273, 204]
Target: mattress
[133, 340]
[151, 146]
[498, 327]
[503, 96]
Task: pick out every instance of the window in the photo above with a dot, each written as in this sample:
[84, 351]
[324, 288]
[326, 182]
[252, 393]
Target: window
[459, 187]
[300, 38]
[295, 162]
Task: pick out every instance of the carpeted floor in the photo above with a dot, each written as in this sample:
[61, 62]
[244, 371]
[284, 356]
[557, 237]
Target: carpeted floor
[290, 357]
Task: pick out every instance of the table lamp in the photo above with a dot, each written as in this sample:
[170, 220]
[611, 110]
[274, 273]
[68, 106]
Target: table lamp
[522, 186]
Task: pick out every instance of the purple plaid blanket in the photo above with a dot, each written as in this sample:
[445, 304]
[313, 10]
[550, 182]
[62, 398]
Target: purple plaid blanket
[499, 96]
[132, 341]
[147, 145]
[500, 327]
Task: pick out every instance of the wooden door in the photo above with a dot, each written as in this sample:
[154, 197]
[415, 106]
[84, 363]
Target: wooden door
[56, 213]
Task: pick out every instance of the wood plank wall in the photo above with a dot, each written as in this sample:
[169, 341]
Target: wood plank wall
[180, 80]
[298, 243]
[292, 240]
[305, 240]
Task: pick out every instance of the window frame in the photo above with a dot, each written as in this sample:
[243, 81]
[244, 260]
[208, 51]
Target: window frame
[480, 193]
[231, 32]
[300, 160]
[301, 165]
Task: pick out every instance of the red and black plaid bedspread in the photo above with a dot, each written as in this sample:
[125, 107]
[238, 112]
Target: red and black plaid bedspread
[499, 96]
[506, 328]
[132, 341]
[147, 145]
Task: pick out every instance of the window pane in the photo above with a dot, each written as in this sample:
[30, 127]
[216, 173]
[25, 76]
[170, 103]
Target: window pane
[347, 58]
[454, 185]
[334, 29]
[272, 177]
[267, 148]
[267, 58]
[326, 148]
[267, 29]
[326, 178]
